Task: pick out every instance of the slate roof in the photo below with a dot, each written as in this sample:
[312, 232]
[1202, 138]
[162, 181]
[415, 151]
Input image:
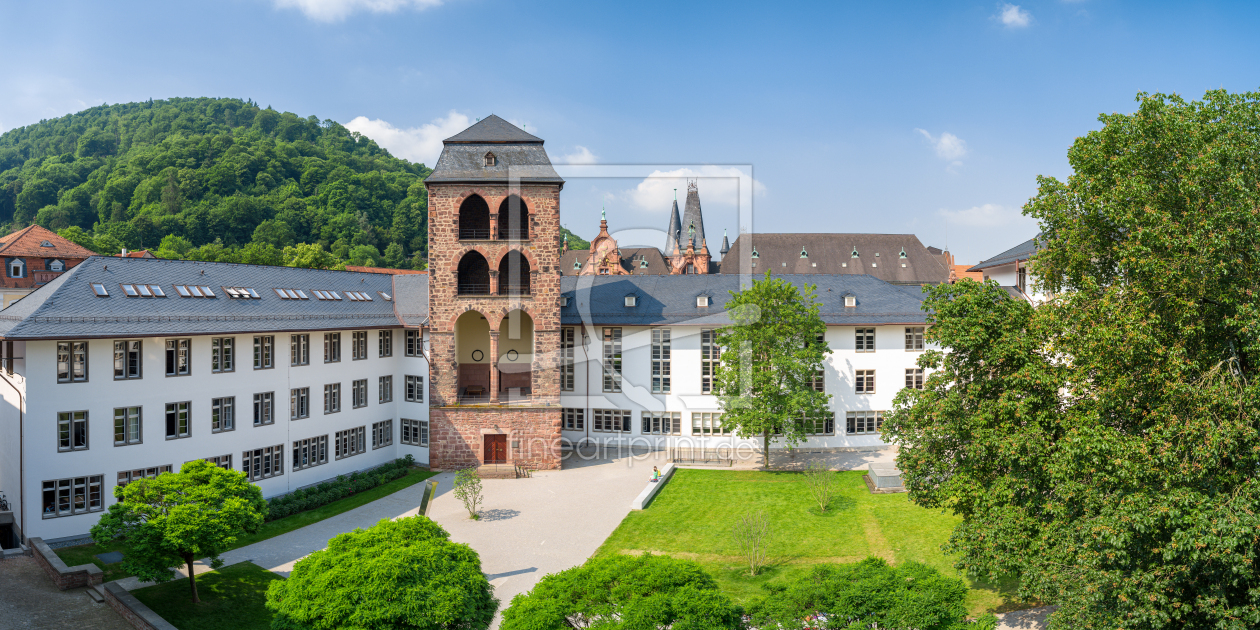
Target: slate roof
[631, 261]
[833, 254]
[67, 308]
[28, 242]
[662, 300]
[386, 270]
[673, 234]
[411, 299]
[1020, 252]
[691, 216]
[492, 129]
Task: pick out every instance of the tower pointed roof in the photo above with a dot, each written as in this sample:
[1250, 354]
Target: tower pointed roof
[493, 129]
[493, 151]
[726, 245]
[674, 233]
[692, 214]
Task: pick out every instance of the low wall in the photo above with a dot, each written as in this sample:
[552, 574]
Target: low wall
[650, 491]
[64, 577]
[131, 609]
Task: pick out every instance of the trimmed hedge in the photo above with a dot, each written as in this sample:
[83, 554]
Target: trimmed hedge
[329, 491]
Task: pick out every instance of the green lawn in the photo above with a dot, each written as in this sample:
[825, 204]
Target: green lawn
[233, 598]
[694, 514]
[84, 554]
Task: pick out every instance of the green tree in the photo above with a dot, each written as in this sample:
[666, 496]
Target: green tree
[911, 595]
[403, 574]
[575, 241]
[173, 246]
[274, 232]
[394, 256]
[76, 235]
[366, 255]
[106, 245]
[645, 592]
[310, 256]
[1115, 476]
[258, 253]
[770, 357]
[175, 519]
[468, 491]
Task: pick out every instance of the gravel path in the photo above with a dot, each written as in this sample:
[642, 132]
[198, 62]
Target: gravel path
[30, 601]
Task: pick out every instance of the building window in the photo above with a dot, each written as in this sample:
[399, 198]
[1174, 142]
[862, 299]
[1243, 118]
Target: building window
[707, 423]
[914, 338]
[1021, 278]
[56, 265]
[612, 359]
[310, 452]
[914, 378]
[662, 422]
[350, 442]
[222, 414]
[332, 398]
[413, 343]
[77, 495]
[358, 345]
[300, 349]
[710, 355]
[864, 382]
[825, 425]
[17, 268]
[127, 476]
[386, 386]
[262, 463]
[332, 347]
[222, 354]
[574, 419]
[415, 432]
[660, 360]
[864, 422]
[819, 380]
[300, 403]
[264, 347]
[864, 340]
[222, 461]
[385, 343]
[414, 388]
[72, 431]
[72, 362]
[610, 420]
[568, 368]
[177, 425]
[382, 433]
[358, 393]
[126, 425]
[177, 354]
[127, 359]
[264, 408]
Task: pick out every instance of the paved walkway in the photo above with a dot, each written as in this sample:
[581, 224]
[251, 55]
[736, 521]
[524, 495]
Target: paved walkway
[30, 601]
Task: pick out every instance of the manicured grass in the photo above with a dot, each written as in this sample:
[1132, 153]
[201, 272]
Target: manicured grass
[693, 517]
[232, 598]
[83, 554]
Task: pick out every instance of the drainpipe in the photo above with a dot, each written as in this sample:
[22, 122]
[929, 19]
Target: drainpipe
[21, 452]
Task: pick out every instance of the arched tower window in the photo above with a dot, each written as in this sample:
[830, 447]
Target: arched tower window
[473, 275]
[514, 274]
[513, 219]
[474, 218]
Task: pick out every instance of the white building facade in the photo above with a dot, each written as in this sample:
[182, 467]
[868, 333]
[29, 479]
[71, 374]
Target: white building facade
[305, 376]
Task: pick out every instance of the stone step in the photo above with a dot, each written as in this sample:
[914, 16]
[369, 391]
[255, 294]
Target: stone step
[95, 593]
[496, 471]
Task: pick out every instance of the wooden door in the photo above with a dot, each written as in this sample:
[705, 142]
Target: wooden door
[495, 449]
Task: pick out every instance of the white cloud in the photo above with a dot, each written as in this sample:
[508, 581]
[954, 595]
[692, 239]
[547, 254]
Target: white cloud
[1013, 16]
[983, 216]
[582, 155]
[947, 145]
[718, 185]
[337, 10]
[418, 144]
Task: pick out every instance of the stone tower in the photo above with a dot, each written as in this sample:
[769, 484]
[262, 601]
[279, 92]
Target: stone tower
[494, 300]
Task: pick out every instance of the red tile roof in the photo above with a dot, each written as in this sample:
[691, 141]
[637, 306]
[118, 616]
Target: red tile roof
[139, 253]
[385, 270]
[30, 242]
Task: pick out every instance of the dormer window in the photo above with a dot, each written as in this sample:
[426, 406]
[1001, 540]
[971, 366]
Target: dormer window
[45, 244]
[564, 300]
[56, 265]
[632, 300]
[755, 254]
[804, 254]
[490, 159]
[17, 268]
[855, 253]
[903, 253]
[850, 301]
[577, 265]
[702, 300]
[643, 264]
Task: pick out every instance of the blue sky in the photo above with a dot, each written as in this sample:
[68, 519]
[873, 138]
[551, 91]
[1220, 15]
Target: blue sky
[855, 117]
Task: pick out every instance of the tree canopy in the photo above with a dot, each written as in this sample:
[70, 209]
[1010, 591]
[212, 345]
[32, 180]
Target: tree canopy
[771, 355]
[1103, 448]
[222, 174]
[625, 592]
[176, 519]
[403, 574]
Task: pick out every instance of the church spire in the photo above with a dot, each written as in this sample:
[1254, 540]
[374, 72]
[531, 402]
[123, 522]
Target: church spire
[692, 215]
[674, 233]
[726, 245]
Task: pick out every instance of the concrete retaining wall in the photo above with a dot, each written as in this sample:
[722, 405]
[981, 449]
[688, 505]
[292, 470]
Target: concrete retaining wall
[650, 491]
[131, 609]
[64, 577]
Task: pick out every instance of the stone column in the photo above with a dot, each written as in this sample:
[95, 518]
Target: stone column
[494, 366]
[494, 285]
[494, 226]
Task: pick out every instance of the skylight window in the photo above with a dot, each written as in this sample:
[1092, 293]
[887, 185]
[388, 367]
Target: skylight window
[336, 296]
[183, 290]
[242, 293]
[130, 290]
[144, 290]
[388, 297]
[206, 292]
[190, 290]
[352, 295]
[99, 290]
[157, 291]
[358, 296]
[300, 294]
[139, 290]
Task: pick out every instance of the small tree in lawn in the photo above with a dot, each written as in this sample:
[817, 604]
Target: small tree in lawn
[770, 357]
[177, 518]
[752, 534]
[468, 490]
[404, 574]
[822, 483]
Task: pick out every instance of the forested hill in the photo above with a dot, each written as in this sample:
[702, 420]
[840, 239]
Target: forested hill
[214, 179]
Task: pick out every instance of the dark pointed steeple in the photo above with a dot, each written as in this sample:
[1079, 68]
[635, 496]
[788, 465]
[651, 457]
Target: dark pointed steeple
[692, 215]
[674, 233]
[726, 245]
